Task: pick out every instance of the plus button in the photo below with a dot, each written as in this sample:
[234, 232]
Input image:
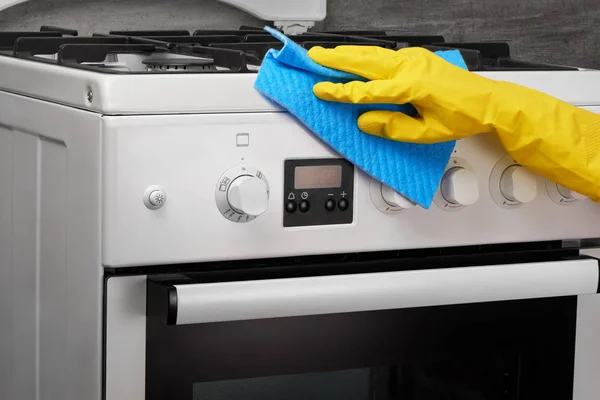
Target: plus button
[343, 194]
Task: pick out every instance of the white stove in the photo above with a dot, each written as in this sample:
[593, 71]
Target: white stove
[128, 157]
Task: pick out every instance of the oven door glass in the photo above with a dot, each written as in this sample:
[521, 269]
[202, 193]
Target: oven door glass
[206, 341]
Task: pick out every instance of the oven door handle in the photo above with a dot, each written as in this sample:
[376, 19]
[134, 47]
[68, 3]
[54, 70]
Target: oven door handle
[276, 298]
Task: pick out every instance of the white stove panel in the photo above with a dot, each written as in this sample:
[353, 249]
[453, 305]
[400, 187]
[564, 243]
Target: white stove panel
[181, 161]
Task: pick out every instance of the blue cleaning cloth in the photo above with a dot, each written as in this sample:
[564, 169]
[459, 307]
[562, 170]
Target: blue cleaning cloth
[287, 77]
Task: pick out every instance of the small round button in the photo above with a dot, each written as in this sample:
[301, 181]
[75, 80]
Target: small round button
[330, 205]
[290, 206]
[157, 198]
[343, 204]
[154, 197]
[304, 206]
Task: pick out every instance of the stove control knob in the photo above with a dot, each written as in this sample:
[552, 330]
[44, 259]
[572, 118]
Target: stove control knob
[248, 195]
[459, 187]
[242, 193]
[395, 199]
[518, 184]
[569, 194]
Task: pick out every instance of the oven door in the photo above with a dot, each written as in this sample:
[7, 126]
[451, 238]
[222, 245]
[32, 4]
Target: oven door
[364, 331]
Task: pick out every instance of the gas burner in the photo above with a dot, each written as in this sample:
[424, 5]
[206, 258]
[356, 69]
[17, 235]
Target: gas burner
[178, 64]
[219, 51]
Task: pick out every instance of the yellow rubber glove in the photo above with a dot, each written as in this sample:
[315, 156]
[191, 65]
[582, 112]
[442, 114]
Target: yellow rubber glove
[559, 141]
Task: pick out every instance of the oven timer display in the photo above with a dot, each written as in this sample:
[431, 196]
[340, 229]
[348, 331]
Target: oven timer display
[318, 192]
[318, 177]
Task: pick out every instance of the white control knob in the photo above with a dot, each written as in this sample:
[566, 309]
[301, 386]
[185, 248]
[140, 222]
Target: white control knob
[395, 199]
[248, 195]
[459, 186]
[154, 197]
[569, 194]
[518, 184]
[157, 198]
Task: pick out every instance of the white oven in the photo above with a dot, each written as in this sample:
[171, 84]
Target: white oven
[169, 233]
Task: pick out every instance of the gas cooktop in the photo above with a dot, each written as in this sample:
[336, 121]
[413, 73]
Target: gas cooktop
[214, 51]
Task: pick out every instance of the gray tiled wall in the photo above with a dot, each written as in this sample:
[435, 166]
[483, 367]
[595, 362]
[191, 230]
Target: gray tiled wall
[558, 31]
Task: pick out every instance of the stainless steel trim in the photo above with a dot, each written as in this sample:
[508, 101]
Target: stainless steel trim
[231, 301]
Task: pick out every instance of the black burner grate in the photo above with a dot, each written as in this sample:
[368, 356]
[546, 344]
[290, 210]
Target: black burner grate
[226, 51]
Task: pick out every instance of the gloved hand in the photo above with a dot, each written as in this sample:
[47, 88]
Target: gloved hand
[559, 141]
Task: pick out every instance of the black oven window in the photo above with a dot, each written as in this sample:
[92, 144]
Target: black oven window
[484, 378]
[352, 384]
[514, 350]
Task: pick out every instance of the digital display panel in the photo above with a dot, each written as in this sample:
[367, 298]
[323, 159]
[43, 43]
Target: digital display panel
[318, 177]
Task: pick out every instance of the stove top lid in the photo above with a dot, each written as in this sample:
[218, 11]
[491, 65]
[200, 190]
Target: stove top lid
[291, 16]
[4, 4]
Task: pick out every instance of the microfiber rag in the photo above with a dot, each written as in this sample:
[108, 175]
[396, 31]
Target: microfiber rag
[287, 77]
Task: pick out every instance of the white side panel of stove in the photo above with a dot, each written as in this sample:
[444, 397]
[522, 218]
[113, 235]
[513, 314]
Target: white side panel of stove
[6, 270]
[18, 266]
[52, 320]
[37, 310]
[186, 154]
